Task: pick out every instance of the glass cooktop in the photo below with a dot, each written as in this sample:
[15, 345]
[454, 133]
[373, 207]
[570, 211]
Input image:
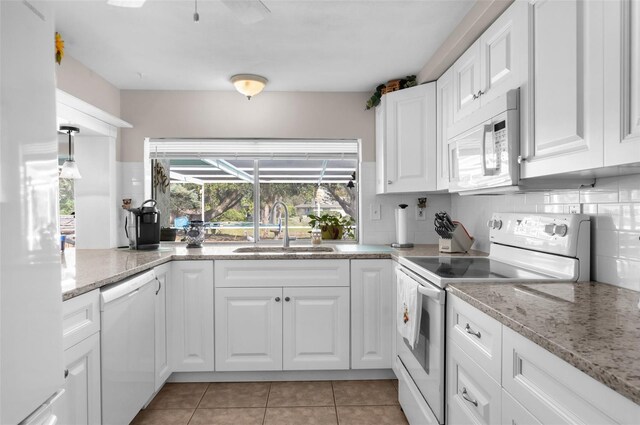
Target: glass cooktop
[473, 268]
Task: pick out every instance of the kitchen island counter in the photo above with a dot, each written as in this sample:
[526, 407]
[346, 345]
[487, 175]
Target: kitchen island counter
[593, 326]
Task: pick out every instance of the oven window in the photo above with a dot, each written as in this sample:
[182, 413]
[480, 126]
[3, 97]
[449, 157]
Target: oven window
[421, 352]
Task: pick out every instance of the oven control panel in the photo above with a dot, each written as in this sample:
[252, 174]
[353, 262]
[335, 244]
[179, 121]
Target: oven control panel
[552, 233]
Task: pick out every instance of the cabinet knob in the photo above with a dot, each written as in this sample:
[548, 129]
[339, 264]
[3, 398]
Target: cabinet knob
[389, 182]
[287, 299]
[277, 299]
[66, 373]
[521, 159]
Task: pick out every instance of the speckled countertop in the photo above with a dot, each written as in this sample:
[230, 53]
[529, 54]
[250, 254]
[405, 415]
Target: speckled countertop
[86, 269]
[593, 326]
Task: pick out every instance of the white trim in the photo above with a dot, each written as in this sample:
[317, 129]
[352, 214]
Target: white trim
[253, 376]
[80, 106]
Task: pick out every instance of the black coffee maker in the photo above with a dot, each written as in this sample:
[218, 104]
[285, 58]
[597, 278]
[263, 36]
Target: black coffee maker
[142, 226]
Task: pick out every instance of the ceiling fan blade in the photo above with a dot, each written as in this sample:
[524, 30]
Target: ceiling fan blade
[248, 11]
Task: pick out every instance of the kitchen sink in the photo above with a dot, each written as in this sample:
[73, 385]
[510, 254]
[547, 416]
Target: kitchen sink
[281, 249]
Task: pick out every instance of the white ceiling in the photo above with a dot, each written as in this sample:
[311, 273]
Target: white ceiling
[303, 45]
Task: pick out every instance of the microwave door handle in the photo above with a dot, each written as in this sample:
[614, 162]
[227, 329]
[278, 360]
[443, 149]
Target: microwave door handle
[487, 129]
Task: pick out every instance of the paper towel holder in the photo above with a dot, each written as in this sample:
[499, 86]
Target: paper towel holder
[397, 244]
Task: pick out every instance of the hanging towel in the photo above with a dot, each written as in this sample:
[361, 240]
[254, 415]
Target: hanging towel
[409, 308]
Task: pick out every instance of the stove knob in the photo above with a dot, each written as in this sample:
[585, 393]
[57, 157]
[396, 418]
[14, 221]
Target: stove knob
[494, 224]
[550, 229]
[561, 230]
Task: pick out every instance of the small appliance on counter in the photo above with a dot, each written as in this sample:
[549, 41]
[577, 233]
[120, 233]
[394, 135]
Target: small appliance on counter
[453, 235]
[402, 228]
[142, 226]
[194, 234]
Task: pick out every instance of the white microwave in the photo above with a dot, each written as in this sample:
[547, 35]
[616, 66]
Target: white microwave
[483, 153]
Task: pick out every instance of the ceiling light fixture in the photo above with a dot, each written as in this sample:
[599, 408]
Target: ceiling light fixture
[249, 84]
[126, 3]
[69, 168]
[196, 15]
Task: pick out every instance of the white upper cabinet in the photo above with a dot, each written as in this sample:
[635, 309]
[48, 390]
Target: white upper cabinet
[467, 76]
[621, 82]
[567, 43]
[445, 100]
[409, 144]
[381, 156]
[496, 63]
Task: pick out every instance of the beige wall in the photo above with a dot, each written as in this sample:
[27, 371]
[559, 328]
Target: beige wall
[229, 114]
[79, 81]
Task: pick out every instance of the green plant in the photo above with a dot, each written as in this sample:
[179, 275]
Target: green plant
[333, 226]
[374, 100]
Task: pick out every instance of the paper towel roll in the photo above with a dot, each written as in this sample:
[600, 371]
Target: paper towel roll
[401, 224]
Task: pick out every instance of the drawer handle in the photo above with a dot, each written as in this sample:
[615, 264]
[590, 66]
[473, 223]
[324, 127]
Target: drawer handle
[66, 373]
[465, 395]
[472, 332]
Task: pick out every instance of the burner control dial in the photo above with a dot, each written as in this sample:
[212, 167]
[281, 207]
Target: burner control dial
[494, 224]
[556, 229]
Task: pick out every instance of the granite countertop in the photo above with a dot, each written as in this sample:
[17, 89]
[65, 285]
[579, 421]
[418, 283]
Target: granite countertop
[84, 270]
[592, 326]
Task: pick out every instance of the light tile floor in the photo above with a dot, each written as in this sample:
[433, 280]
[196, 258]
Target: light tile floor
[271, 403]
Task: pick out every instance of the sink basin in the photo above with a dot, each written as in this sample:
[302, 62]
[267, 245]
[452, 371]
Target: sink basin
[281, 249]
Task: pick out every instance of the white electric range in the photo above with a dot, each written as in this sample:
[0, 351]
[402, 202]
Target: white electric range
[524, 248]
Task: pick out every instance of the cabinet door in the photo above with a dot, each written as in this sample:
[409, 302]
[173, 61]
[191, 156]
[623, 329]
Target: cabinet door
[411, 139]
[504, 52]
[81, 405]
[372, 329]
[568, 88]
[163, 369]
[315, 328]
[467, 82]
[248, 329]
[622, 82]
[191, 316]
[381, 146]
[444, 110]
[514, 414]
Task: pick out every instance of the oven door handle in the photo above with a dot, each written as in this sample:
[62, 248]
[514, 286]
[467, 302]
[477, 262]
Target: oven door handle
[424, 287]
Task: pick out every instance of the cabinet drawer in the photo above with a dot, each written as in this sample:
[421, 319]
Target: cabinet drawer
[80, 317]
[477, 334]
[556, 392]
[472, 396]
[279, 273]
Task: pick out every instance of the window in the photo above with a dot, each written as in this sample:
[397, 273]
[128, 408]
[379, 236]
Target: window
[66, 205]
[233, 185]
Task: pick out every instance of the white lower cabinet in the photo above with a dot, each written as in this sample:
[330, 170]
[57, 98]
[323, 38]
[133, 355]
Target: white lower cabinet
[513, 413]
[534, 386]
[191, 316]
[315, 328]
[248, 329]
[372, 319]
[81, 403]
[162, 366]
[292, 328]
[472, 396]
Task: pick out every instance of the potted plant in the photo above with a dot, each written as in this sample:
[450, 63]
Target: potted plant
[333, 226]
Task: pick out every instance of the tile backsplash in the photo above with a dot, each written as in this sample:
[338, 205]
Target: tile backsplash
[383, 231]
[613, 204]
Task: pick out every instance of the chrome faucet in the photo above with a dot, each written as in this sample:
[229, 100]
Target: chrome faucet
[286, 221]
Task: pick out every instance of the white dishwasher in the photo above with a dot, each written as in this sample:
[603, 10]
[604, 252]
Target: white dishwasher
[127, 348]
